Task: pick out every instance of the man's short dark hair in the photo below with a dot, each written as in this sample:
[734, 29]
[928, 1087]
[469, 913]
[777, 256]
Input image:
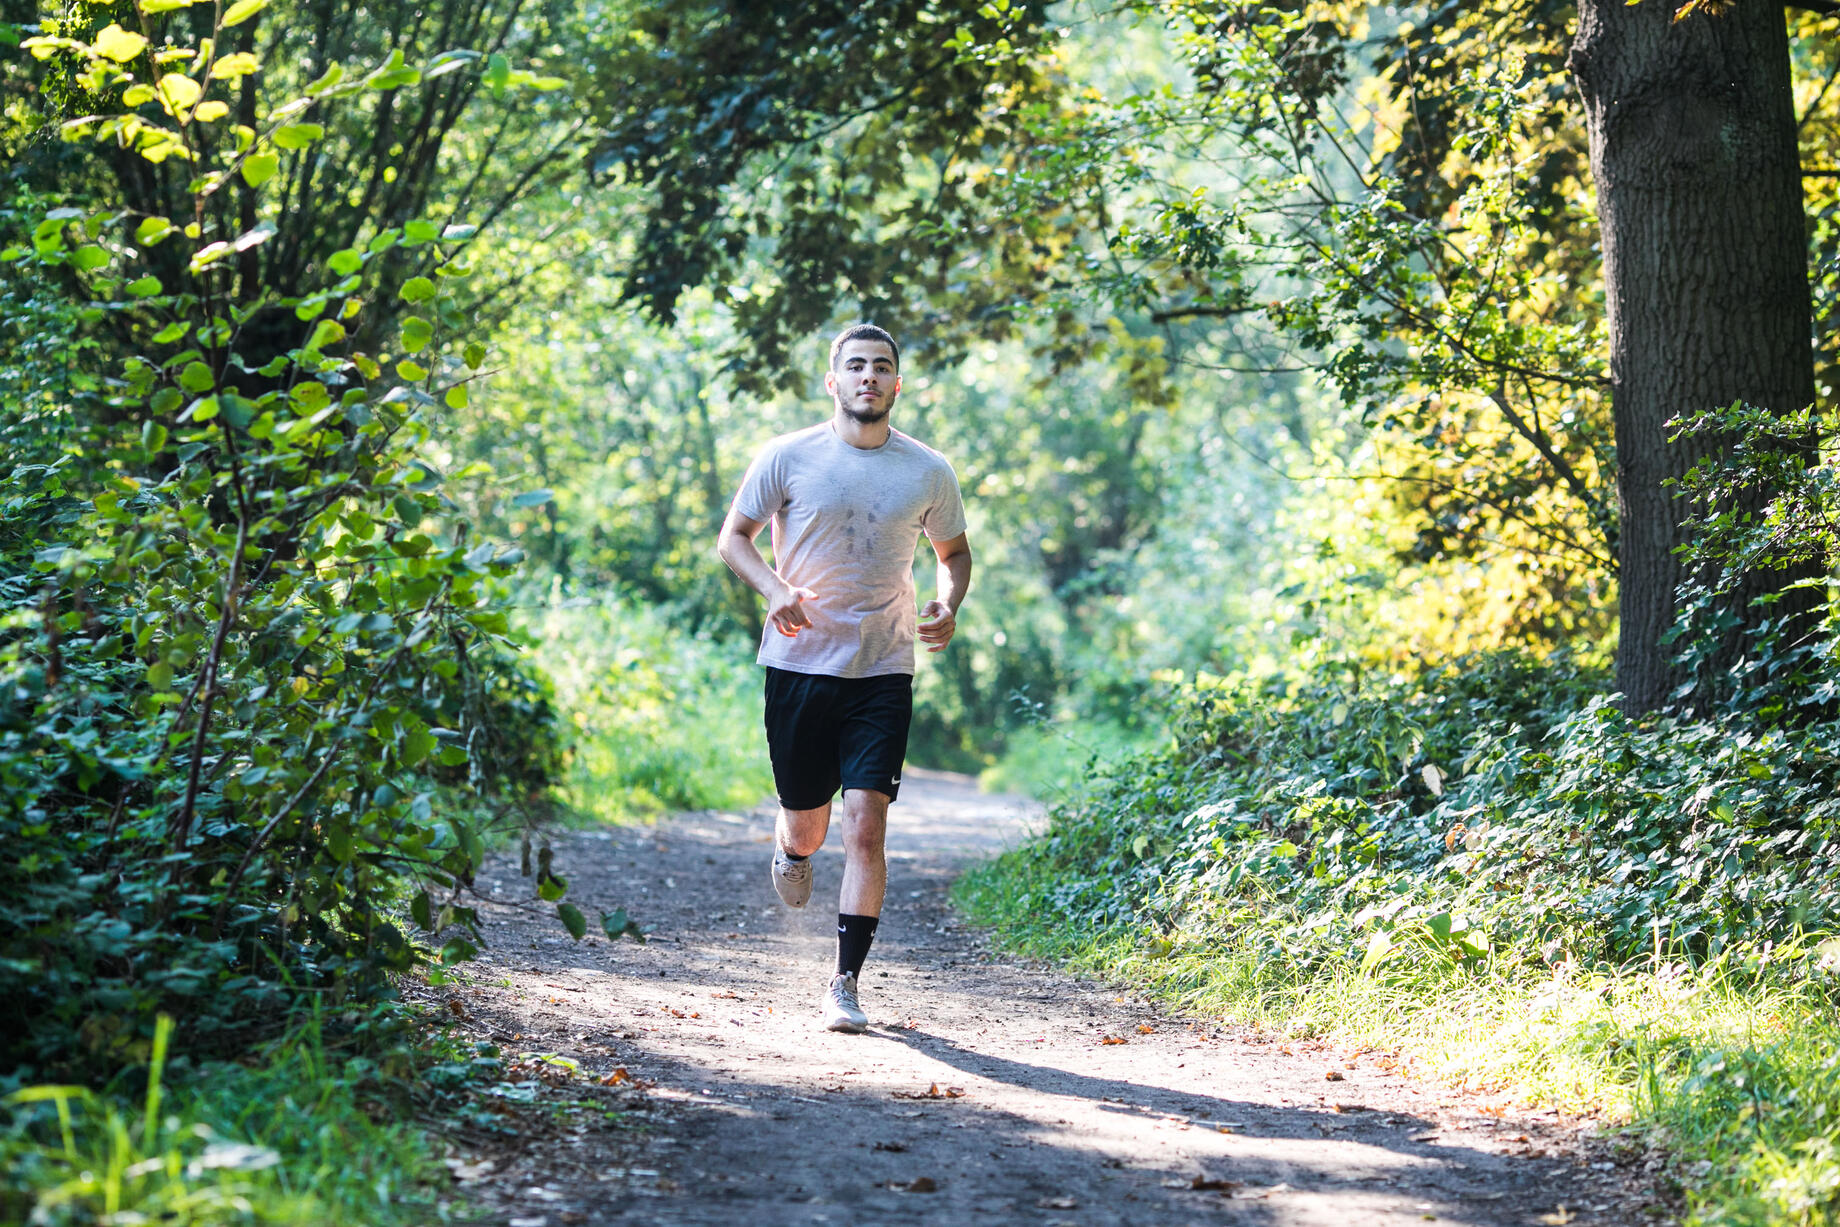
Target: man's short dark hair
[864, 332]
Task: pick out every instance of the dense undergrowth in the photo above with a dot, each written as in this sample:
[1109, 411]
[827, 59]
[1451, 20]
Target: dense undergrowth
[1494, 867]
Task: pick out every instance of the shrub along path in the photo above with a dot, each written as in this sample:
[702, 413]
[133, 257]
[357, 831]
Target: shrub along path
[985, 1091]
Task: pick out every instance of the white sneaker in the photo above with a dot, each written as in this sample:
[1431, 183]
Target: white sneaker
[791, 879]
[841, 1012]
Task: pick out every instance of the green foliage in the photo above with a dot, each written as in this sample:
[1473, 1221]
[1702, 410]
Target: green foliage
[241, 647]
[1481, 808]
[1765, 522]
[660, 719]
[292, 1138]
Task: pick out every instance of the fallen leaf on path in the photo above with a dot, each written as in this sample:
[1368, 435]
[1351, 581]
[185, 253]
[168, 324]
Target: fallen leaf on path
[458, 1007]
[1334, 1075]
[1424, 1137]
[463, 1169]
[1145, 1029]
[931, 1092]
[919, 1184]
[729, 996]
[894, 1147]
[1113, 1039]
[1351, 1107]
[1559, 1217]
[1058, 1203]
[616, 1076]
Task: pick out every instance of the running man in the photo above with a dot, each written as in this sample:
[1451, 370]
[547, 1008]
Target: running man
[848, 500]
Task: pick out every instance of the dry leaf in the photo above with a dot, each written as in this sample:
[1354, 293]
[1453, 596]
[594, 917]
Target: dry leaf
[616, 1076]
[1333, 1075]
[931, 1092]
[892, 1147]
[1145, 1029]
[1113, 1039]
[1058, 1203]
[919, 1184]
[1559, 1217]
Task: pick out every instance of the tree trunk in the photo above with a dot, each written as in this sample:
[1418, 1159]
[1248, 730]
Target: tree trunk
[1693, 149]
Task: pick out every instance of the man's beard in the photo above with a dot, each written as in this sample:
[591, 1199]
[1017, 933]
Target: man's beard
[867, 417]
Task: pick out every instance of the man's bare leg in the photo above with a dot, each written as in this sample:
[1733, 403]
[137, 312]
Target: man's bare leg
[797, 834]
[801, 831]
[865, 863]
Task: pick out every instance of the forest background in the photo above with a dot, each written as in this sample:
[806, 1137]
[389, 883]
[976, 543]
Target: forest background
[1404, 522]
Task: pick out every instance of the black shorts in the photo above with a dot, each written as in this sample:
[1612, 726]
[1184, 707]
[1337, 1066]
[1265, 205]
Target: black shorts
[826, 733]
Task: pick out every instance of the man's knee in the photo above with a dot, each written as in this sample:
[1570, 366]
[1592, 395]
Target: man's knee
[865, 821]
[802, 830]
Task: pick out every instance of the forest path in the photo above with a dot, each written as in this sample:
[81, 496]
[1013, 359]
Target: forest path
[984, 1091]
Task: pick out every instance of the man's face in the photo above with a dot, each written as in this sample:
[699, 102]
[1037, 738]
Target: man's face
[864, 383]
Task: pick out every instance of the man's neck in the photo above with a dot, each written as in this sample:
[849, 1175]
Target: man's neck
[865, 435]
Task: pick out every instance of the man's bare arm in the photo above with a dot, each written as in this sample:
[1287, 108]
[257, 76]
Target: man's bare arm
[735, 546]
[939, 617]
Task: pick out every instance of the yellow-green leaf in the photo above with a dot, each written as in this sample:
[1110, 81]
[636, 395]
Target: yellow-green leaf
[242, 11]
[259, 168]
[236, 64]
[118, 44]
[178, 91]
[208, 112]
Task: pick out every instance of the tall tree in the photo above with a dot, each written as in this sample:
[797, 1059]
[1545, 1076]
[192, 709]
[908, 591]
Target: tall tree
[1705, 257]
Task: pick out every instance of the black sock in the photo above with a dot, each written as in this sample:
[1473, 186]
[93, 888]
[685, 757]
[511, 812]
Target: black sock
[791, 857]
[854, 933]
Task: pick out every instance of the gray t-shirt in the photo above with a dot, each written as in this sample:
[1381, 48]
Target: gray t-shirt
[845, 521]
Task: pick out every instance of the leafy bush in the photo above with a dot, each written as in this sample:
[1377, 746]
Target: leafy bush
[1486, 806]
[238, 643]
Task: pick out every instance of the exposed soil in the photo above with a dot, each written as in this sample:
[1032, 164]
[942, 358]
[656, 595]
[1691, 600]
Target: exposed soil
[985, 1091]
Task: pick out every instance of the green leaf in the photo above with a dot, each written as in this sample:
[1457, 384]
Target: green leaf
[259, 168]
[298, 136]
[418, 745]
[474, 355]
[89, 257]
[197, 377]
[418, 289]
[242, 11]
[416, 333]
[171, 333]
[145, 287]
[459, 950]
[421, 232]
[153, 436]
[411, 372]
[151, 230]
[455, 397]
[536, 498]
[421, 911]
[452, 756]
[551, 888]
[345, 262]
[326, 332]
[572, 920]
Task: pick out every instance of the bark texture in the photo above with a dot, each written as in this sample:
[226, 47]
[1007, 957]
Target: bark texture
[1693, 149]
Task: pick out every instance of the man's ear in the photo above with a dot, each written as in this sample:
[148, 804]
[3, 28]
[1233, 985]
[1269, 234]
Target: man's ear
[830, 382]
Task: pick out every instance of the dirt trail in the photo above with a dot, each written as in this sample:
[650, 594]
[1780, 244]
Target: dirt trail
[984, 1092]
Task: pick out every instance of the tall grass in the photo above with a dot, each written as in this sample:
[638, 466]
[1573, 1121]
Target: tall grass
[660, 719]
[1733, 1064]
[292, 1138]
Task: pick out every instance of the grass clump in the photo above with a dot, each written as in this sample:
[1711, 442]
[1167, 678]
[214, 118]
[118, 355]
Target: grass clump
[1493, 870]
[307, 1130]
